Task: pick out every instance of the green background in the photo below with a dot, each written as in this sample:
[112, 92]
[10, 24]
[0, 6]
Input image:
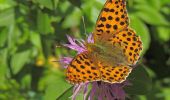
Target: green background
[30, 30]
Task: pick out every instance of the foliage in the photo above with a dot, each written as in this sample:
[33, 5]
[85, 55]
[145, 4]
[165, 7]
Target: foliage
[30, 30]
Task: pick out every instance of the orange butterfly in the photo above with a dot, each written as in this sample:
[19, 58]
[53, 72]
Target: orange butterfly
[116, 47]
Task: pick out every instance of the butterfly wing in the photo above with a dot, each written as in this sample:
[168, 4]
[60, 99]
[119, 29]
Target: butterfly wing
[112, 28]
[82, 69]
[130, 44]
[112, 19]
[116, 74]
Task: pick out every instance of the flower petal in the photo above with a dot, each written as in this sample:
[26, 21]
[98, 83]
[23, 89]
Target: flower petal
[75, 47]
[85, 91]
[65, 61]
[90, 39]
[76, 90]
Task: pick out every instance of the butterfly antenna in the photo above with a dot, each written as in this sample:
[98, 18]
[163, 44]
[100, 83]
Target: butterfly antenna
[84, 25]
[59, 45]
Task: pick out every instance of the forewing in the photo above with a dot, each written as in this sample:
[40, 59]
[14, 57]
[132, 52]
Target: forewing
[112, 19]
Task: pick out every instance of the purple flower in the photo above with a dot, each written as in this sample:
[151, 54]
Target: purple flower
[100, 90]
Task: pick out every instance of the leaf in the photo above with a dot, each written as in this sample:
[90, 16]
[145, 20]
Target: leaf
[58, 89]
[164, 33]
[3, 64]
[55, 3]
[7, 17]
[36, 39]
[142, 30]
[45, 3]
[166, 92]
[156, 93]
[76, 2]
[150, 15]
[19, 59]
[26, 81]
[165, 2]
[6, 4]
[3, 37]
[66, 95]
[43, 23]
[140, 81]
[154, 4]
[165, 10]
[72, 19]
[139, 1]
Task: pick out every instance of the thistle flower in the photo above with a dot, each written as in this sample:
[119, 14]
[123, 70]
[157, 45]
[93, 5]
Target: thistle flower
[100, 90]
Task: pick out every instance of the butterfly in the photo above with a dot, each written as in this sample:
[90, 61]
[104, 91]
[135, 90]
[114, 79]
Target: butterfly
[115, 49]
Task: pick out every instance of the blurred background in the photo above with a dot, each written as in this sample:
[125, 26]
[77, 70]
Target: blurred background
[31, 29]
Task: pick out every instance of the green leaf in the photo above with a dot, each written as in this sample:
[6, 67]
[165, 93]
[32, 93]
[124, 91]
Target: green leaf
[45, 3]
[19, 60]
[142, 30]
[66, 95]
[166, 92]
[58, 89]
[140, 81]
[154, 4]
[73, 19]
[76, 2]
[26, 81]
[7, 17]
[55, 3]
[3, 37]
[165, 10]
[5, 4]
[150, 15]
[3, 64]
[164, 33]
[43, 23]
[138, 1]
[165, 2]
[156, 93]
[36, 39]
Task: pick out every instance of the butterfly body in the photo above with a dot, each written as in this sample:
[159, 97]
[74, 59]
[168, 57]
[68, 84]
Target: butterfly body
[112, 55]
[115, 49]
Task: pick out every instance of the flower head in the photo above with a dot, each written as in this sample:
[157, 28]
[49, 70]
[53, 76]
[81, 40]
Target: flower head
[99, 89]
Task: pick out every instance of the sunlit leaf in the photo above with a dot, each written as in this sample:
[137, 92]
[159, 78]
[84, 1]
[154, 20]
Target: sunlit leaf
[66, 95]
[7, 17]
[45, 3]
[36, 39]
[26, 81]
[150, 15]
[73, 19]
[3, 64]
[154, 4]
[166, 92]
[57, 89]
[163, 33]
[19, 60]
[5, 4]
[164, 2]
[43, 23]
